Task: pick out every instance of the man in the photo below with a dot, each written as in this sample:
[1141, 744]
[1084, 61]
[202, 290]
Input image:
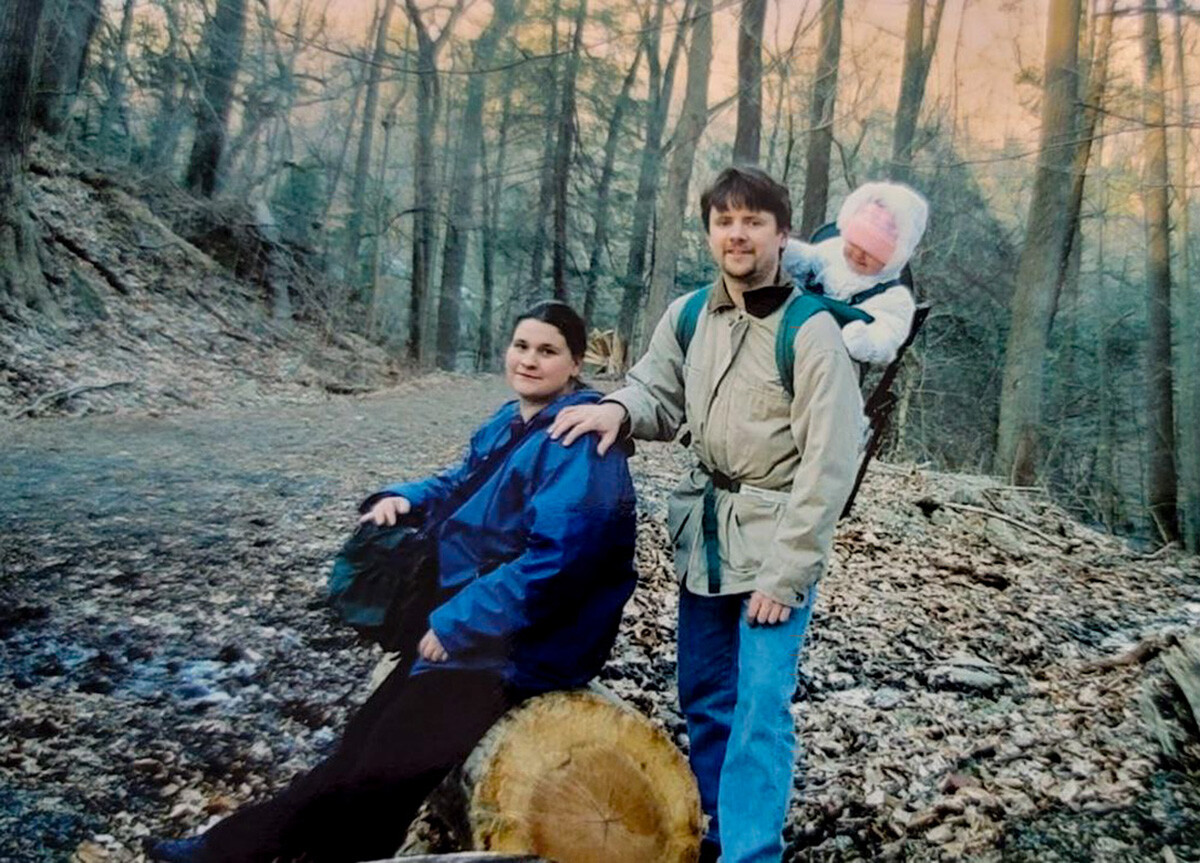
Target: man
[752, 523]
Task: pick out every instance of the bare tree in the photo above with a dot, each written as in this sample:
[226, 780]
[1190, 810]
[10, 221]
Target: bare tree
[420, 347]
[366, 143]
[172, 87]
[660, 86]
[1161, 478]
[562, 155]
[67, 30]
[692, 120]
[492, 186]
[1189, 449]
[1019, 427]
[223, 44]
[114, 104]
[918, 55]
[750, 66]
[21, 279]
[603, 186]
[465, 179]
[537, 252]
[820, 132]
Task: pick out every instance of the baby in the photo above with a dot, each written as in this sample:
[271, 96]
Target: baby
[879, 227]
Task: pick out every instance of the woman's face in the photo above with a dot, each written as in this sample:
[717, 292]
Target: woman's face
[538, 364]
[860, 260]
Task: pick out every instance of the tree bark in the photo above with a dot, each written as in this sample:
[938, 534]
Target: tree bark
[366, 143]
[21, 280]
[462, 188]
[537, 254]
[562, 157]
[167, 124]
[421, 347]
[691, 124]
[491, 211]
[750, 65]
[661, 85]
[600, 212]
[820, 134]
[1019, 428]
[918, 56]
[114, 105]
[1189, 449]
[1161, 477]
[67, 32]
[223, 42]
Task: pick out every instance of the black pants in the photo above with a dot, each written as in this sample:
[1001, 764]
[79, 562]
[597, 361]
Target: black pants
[358, 803]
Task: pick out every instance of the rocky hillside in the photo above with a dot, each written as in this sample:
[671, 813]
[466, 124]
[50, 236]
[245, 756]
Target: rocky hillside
[147, 321]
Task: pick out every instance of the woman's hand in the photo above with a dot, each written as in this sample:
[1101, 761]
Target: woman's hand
[431, 648]
[387, 509]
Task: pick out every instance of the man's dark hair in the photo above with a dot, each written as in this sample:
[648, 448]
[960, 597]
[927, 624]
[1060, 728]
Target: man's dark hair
[743, 186]
[563, 318]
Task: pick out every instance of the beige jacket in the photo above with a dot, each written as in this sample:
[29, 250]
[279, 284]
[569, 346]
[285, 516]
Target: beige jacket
[796, 460]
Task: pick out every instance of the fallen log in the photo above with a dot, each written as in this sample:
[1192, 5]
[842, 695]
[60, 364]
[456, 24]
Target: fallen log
[576, 777]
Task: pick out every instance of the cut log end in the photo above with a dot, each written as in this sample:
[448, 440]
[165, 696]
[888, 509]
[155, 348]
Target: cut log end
[577, 778]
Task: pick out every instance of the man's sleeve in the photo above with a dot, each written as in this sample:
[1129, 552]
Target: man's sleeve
[653, 394]
[581, 507]
[826, 425]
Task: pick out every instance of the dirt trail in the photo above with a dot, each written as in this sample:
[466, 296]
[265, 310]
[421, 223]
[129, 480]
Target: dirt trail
[166, 653]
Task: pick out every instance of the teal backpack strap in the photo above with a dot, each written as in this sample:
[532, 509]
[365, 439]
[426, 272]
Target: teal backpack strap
[874, 291]
[799, 309]
[689, 315]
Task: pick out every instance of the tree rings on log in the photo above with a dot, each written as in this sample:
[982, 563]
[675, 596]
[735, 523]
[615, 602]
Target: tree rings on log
[580, 778]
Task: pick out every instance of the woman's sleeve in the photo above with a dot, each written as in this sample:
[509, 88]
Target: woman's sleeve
[426, 495]
[581, 508]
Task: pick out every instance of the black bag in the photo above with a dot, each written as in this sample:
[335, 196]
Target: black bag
[384, 583]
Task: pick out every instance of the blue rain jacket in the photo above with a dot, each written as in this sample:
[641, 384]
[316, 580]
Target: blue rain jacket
[539, 557]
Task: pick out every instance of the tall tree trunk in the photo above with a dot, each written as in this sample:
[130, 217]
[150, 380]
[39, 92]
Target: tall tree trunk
[223, 42]
[918, 56]
[167, 124]
[67, 30]
[661, 85]
[491, 217]
[1093, 104]
[1161, 477]
[537, 254]
[1019, 429]
[1189, 449]
[749, 105]
[562, 156]
[114, 105]
[600, 212]
[21, 279]
[459, 212]
[366, 143]
[379, 245]
[820, 133]
[691, 124]
[421, 347]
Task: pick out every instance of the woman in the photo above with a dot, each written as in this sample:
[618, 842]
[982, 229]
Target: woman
[535, 548]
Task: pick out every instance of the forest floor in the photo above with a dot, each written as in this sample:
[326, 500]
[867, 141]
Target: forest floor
[166, 652]
[177, 472]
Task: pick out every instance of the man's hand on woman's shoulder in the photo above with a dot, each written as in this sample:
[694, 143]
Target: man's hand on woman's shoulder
[605, 419]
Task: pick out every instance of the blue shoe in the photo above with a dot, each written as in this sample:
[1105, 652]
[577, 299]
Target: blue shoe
[176, 850]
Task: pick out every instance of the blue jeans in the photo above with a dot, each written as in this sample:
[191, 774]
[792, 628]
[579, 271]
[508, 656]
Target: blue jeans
[736, 683]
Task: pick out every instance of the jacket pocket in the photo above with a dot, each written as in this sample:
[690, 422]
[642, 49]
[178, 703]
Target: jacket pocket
[753, 522]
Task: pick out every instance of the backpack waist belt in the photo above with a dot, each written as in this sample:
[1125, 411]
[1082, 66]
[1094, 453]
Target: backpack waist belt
[708, 523]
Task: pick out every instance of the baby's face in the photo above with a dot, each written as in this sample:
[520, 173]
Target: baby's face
[860, 260]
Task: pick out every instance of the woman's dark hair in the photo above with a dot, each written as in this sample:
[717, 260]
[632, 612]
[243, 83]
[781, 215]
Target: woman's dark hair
[564, 319]
[743, 186]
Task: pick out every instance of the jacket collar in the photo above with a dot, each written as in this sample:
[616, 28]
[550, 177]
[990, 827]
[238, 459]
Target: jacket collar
[584, 396]
[760, 302]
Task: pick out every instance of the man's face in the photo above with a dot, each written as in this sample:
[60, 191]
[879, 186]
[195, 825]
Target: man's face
[745, 244]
